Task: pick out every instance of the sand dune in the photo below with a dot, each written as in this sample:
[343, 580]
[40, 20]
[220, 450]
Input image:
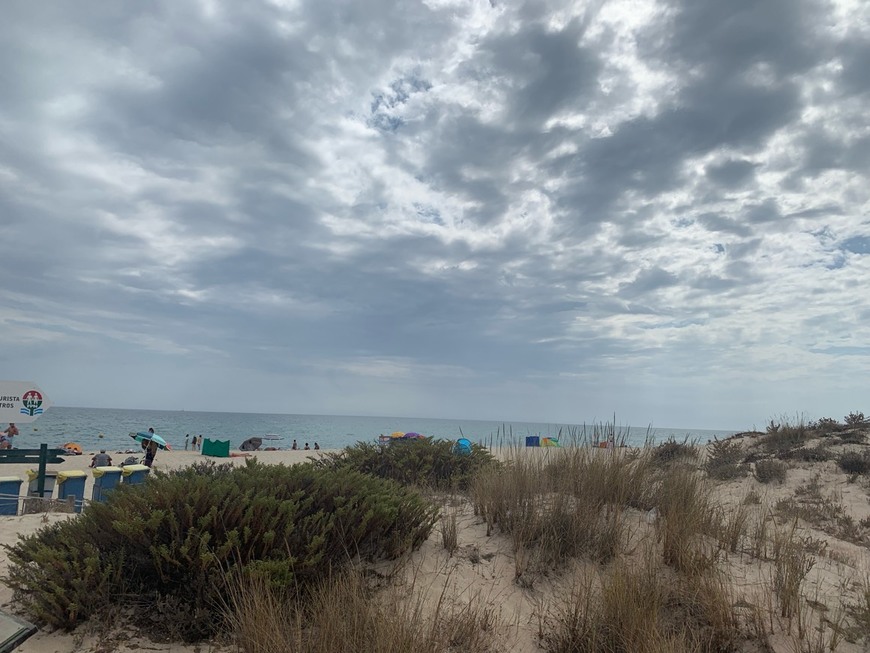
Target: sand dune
[484, 567]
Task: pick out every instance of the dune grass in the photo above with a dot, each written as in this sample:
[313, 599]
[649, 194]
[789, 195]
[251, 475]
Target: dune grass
[346, 613]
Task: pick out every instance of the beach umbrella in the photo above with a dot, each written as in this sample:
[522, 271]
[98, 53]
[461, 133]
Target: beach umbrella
[412, 436]
[397, 434]
[145, 436]
[251, 444]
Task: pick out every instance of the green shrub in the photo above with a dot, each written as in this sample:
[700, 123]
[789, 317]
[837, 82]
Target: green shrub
[671, 450]
[770, 470]
[174, 541]
[826, 425]
[725, 460]
[853, 462]
[786, 437]
[425, 463]
[855, 419]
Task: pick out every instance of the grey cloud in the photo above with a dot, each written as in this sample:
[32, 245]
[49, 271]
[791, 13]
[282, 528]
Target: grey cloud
[715, 222]
[544, 71]
[766, 211]
[728, 38]
[732, 173]
[744, 249]
[855, 75]
[649, 280]
[715, 284]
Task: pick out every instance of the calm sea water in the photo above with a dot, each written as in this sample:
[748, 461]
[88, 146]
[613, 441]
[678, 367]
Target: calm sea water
[86, 425]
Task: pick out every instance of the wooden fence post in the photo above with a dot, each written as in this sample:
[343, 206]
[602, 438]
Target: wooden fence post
[43, 461]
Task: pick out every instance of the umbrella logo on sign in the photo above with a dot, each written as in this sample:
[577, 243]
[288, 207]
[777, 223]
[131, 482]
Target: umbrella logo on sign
[32, 401]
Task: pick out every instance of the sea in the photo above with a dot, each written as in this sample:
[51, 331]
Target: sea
[106, 428]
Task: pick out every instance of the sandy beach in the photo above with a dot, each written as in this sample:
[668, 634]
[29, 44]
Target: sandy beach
[483, 569]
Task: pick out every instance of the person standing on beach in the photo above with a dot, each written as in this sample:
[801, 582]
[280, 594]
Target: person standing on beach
[150, 453]
[186, 441]
[10, 433]
[295, 446]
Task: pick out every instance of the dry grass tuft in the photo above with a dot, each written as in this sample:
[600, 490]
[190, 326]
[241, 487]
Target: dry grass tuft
[643, 610]
[346, 615]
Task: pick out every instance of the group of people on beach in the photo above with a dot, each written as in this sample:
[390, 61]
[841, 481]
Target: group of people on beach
[295, 447]
[195, 444]
[7, 435]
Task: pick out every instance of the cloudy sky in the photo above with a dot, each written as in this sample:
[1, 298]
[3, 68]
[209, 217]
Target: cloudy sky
[498, 209]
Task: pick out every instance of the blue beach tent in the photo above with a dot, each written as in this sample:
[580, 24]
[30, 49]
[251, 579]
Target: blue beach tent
[462, 447]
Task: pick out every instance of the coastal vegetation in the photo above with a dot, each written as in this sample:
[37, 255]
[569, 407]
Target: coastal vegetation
[752, 543]
[427, 463]
[173, 546]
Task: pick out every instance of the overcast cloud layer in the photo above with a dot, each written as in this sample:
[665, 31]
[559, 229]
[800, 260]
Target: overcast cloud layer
[494, 209]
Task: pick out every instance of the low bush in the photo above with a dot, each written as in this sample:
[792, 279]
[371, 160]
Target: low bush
[826, 426]
[725, 460]
[852, 437]
[767, 471]
[671, 450]
[426, 463]
[805, 454]
[855, 419]
[786, 437]
[853, 462]
[173, 541]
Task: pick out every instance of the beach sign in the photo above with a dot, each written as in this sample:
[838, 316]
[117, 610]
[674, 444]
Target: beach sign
[21, 402]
